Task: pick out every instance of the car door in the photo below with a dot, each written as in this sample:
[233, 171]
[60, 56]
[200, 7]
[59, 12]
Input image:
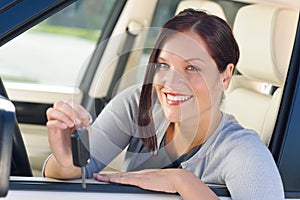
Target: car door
[83, 61]
[37, 77]
[42, 77]
[73, 54]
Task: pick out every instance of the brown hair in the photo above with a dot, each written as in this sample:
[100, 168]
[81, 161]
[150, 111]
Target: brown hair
[221, 46]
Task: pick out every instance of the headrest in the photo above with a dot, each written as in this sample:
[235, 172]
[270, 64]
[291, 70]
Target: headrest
[209, 6]
[265, 35]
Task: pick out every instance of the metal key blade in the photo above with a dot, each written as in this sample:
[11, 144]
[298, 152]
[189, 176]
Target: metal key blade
[80, 151]
[83, 177]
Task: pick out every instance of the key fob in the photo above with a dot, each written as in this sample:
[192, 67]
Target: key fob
[80, 147]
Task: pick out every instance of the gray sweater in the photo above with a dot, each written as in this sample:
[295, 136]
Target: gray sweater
[232, 155]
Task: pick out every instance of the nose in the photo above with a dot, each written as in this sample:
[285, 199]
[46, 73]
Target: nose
[173, 77]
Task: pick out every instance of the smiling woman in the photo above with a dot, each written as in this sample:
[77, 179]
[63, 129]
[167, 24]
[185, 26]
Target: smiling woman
[169, 130]
[173, 121]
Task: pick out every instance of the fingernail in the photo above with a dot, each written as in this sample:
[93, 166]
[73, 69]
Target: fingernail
[70, 123]
[98, 177]
[95, 174]
[77, 121]
[64, 126]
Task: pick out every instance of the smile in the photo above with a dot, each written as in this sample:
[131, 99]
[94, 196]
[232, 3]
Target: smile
[174, 99]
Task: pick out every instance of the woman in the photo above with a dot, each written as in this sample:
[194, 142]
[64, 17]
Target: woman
[174, 121]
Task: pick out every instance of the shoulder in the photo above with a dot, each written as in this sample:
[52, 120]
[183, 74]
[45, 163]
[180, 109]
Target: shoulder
[242, 151]
[132, 93]
[246, 157]
[126, 100]
[238, 141]
[231, 134]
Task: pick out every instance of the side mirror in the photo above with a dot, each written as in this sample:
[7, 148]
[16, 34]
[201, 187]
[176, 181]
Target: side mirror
[7, 126]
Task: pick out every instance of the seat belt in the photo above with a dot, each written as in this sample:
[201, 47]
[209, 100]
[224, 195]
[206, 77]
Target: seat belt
[132, 31]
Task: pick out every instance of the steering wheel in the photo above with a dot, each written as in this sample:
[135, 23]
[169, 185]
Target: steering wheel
[20, 165]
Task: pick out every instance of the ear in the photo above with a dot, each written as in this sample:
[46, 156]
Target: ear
[226, 75]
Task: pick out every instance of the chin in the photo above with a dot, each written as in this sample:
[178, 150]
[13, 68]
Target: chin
[173, 118]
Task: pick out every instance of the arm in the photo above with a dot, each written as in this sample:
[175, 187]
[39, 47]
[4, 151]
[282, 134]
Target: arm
[68, 172]
[113, 129]
[109, 135]
[189, 186]
[63, 119]
[251, 173]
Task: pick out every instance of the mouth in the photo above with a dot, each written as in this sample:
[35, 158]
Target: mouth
[176, 99]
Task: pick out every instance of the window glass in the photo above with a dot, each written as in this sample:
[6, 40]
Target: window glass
[55, 51]
[165, 10]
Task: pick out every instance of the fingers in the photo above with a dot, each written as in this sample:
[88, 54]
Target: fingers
[84, 117]
[124, 177]
[102, 178]
[146, 179]
[69, 114]
[56, 124]
[61, 118]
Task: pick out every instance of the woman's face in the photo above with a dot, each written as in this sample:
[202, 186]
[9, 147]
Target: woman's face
[187, 80]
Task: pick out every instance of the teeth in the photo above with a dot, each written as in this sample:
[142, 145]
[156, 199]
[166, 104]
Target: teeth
[177, 98]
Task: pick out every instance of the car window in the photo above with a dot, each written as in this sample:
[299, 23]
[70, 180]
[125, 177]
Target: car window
[165, 10]
[58, 47]
[57, 52]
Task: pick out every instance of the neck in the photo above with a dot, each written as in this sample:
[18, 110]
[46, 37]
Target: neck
[184, 136]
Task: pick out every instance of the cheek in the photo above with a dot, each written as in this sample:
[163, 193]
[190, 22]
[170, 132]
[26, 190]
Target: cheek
[159, 78]
[198, 85]
[157, 88]
[209, 92]
[203, 91]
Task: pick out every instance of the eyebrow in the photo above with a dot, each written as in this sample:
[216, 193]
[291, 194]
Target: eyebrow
[188, 60]
[191, 59]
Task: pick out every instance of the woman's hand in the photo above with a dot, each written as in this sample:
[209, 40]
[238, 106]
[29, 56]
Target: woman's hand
[63, 119]
[156, 180]
[182, 181]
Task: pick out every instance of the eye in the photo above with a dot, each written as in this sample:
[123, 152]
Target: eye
[193, 68]
[162, 66]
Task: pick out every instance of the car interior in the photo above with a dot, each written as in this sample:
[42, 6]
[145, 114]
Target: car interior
[256, 90]
[259, 77]
[253, 97]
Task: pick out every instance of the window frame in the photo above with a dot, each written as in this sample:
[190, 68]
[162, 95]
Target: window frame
[12, 25]
[284, 143]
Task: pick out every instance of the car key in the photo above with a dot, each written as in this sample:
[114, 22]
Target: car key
[80, 151]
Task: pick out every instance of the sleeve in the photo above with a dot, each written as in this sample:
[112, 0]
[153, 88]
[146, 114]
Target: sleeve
[44, 165]
[113, 129]
[251, 173]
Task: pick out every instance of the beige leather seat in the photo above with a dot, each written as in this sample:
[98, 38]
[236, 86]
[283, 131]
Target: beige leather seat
[265, 35]
[209, 6]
